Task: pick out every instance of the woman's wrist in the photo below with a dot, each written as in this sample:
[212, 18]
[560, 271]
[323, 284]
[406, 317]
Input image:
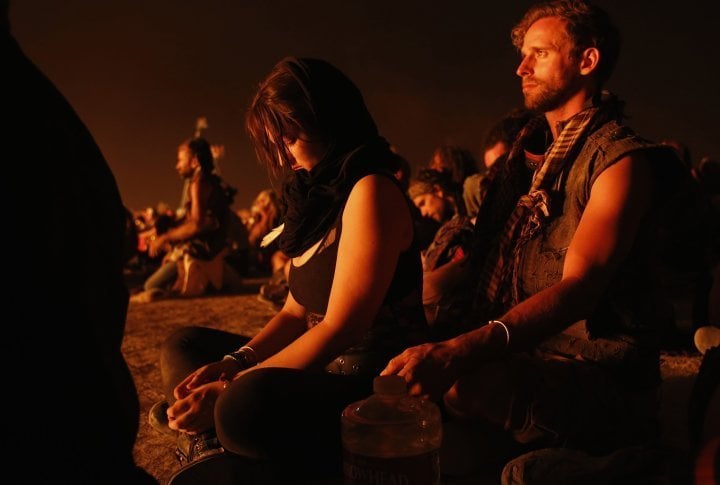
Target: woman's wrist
[245, 357]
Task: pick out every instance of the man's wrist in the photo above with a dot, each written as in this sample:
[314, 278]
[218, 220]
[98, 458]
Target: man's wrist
[506, 330]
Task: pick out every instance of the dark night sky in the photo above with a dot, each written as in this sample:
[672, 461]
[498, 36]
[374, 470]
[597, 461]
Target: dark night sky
[140, 72]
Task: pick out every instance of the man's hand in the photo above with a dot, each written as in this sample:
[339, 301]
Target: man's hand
[426, 368]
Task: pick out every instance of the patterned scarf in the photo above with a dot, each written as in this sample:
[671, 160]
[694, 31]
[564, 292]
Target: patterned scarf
[498, 287]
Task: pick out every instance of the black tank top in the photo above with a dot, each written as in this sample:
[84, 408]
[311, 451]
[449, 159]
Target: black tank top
[311, 282]
[400, 321]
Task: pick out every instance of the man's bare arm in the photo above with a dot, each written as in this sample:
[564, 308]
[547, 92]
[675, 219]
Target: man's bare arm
[619, 199]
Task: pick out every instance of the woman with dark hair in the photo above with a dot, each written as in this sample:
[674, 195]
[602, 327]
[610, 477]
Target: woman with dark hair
[355, 288]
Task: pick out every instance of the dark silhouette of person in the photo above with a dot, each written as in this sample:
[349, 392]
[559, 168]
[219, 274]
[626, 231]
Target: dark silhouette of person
[69, 400]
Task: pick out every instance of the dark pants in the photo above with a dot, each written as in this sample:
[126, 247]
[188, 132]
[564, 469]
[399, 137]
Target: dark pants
[289, 418]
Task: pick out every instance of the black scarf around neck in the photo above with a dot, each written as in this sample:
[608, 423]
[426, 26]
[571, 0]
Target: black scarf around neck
[313, 200]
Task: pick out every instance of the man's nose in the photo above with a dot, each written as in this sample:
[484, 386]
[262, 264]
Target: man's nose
[525, 67]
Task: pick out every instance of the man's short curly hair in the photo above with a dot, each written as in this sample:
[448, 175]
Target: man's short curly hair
[587, 26]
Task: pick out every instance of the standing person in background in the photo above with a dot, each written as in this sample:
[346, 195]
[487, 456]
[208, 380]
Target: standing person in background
[355, 290]
[75, 415]
[564, 349]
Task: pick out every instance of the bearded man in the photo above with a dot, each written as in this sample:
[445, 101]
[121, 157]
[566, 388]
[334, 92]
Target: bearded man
[563, 349]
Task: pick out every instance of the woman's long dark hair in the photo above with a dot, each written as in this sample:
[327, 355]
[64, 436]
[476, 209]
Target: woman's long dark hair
[313, 98]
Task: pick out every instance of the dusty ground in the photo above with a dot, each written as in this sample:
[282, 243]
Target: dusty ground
[149, 323]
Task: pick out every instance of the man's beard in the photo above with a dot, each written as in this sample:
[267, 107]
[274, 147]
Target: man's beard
[546, 98]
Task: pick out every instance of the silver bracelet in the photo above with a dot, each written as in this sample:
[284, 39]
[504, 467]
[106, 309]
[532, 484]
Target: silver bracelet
[245, 357]
[507, 331]
[252, 355]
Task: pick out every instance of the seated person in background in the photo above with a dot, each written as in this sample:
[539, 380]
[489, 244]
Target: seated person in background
[495, 147]
[237, 256]
[430, 207]
[195, 249]
[264, 216]
[150, 222]
[564, 346]
[436, 195]
[276, 290]
[707, 334]
[456, 161]
[685, 254]
[355, 290]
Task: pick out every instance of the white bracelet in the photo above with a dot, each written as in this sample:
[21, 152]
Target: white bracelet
[507, 331]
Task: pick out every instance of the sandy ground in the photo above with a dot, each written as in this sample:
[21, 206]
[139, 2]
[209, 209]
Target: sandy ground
[148, 324]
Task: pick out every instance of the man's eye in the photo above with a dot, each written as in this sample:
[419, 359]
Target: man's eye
[541, 53]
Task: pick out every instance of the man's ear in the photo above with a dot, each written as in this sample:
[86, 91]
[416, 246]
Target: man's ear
[589, 60]
[437, 190]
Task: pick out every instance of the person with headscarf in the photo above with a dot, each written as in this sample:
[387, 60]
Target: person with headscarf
[355, 289]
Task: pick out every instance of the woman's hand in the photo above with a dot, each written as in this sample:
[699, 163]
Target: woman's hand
[222, 369]
[426, 368]
[195, 412]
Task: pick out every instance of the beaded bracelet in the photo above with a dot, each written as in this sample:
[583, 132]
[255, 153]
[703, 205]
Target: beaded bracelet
[507, 331]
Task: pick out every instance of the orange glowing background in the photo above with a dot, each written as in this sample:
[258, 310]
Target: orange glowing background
[140, 72]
